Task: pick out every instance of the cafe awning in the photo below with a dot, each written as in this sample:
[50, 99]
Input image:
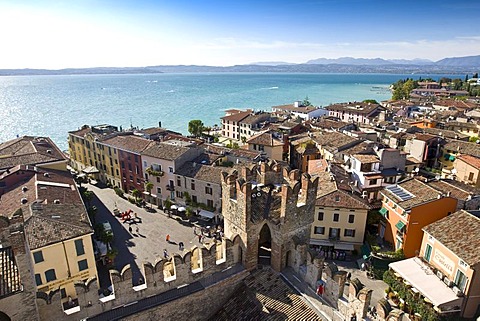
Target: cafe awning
[90, 170]
[400, 225]
[343, 246]
[206, 214]
[419, 275]
[321, 242]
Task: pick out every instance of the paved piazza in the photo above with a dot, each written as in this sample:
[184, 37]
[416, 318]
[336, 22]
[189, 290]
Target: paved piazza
[149, 243]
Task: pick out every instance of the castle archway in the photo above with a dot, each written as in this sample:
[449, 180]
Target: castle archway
[4, 317]
[265, 246]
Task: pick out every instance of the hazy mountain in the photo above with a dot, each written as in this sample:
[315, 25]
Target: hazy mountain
[416, 61]
[460, 61]
[272, 63]
[349, 61]
[457, 65]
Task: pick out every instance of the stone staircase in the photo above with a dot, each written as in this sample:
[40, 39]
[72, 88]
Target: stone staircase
[265, 296]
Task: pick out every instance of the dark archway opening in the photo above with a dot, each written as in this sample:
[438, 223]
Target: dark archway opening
[287, 259]
[265, 246]
[4, 317]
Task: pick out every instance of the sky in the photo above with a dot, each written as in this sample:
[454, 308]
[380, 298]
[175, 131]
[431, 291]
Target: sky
[134, 33]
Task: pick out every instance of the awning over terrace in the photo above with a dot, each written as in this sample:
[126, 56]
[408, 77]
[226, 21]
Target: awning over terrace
[421, 277]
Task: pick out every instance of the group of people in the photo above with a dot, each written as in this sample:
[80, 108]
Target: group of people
[330, 253]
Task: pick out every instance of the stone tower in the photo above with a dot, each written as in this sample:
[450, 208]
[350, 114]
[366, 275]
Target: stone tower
[269, 207]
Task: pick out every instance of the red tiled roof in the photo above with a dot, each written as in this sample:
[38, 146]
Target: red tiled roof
[129, 143]
[237, 116]
[28, 150]
[470, 160]
[460, 233]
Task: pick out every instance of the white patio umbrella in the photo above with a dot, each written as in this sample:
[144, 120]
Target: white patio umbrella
[173, 207]
[182, 209]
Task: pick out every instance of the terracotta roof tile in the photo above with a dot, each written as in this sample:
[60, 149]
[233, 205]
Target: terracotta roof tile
[265, 139]
[462, 147]
[470, 160]
[460, 233]
[342, 199]
[355, 107]
[28, 150]
[454, 190]
[367, 158]
[333, 141]
[206, 173]
[422, 193]
[47, 222]
[237, 116]
[129, 143]
[165, 151]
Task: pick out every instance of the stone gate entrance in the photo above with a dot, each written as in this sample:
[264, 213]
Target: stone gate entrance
[265, 246]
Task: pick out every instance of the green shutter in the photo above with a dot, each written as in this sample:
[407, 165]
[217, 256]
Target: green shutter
[400, 225]
[383, 211]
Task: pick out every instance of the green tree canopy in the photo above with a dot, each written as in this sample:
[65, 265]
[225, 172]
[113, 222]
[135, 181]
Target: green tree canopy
[195, 127]
[136, 193]
[148, 187]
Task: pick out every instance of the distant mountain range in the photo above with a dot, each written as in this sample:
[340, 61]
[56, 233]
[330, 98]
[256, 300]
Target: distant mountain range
[455, 65]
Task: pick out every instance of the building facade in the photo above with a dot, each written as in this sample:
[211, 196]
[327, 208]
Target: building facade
[445, 273]
[408, 207]
[339, 222]
[160, 161]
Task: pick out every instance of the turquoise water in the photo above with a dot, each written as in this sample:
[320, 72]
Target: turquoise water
[53, 105]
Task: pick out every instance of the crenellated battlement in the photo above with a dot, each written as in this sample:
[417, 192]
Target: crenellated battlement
[285, 188]
[159, 276]
[268, 193]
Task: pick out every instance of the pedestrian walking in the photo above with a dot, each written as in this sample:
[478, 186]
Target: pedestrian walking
[165, 253]
[130, 229]
[200, 238]
[180, 246]
[167, 238]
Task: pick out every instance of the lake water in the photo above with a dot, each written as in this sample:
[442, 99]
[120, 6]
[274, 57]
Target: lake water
[53, 105]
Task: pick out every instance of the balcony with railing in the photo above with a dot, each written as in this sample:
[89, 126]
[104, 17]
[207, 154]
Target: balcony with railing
[154, 172]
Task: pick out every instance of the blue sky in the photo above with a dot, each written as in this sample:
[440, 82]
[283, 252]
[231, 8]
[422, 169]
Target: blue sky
[85, 33]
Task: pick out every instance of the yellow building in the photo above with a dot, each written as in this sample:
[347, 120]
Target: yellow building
[56, 226]
[90, 157]
[268, 143]
[339, 223]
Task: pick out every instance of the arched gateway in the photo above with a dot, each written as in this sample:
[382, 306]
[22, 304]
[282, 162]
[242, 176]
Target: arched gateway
[268, 206]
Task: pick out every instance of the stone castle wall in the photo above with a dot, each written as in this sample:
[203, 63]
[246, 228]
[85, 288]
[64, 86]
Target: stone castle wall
[160, 276]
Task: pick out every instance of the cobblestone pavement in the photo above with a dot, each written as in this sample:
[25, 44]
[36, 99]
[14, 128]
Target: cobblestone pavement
[148, 242]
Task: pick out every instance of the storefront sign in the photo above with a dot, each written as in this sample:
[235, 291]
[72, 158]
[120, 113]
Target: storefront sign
[443, 262]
